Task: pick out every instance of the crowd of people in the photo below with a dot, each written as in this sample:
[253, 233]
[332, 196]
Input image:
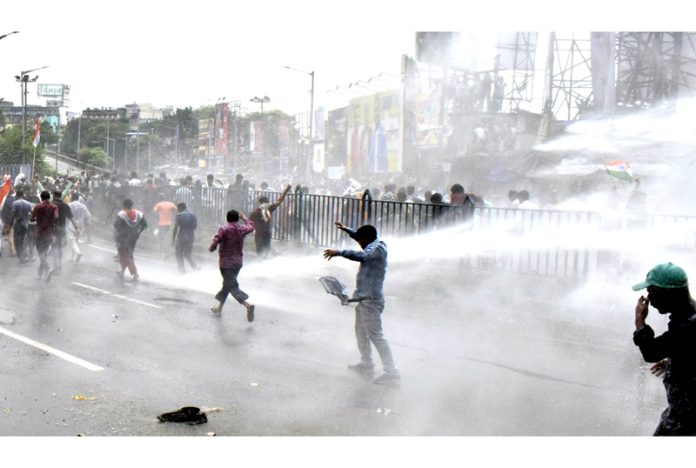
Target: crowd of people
[45, 217]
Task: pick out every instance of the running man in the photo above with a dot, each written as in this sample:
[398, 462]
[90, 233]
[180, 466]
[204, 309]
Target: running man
[230, 238]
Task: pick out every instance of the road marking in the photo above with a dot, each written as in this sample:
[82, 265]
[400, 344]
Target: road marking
[102, 248]
[109, 293]
[54, 351]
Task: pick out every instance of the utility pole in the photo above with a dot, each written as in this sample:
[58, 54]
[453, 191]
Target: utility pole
[23, 79]
[149, 156]
[310, 150]
[79, 125]
[137, 153]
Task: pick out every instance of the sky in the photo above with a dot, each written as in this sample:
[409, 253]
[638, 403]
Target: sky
[197, 53]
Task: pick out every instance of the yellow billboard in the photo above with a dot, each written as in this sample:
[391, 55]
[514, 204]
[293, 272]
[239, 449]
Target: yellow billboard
[373, 142]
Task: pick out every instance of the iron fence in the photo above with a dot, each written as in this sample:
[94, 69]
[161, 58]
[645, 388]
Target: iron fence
[537, 241]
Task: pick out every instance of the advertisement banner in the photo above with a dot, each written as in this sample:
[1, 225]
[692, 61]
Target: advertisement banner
[336, 131]
[205, 136]
[283, 145]
[51, 90]
[427, 110]
[319, 133]
[373, 142]
[256, 136]
[318, 157]
[221, 129]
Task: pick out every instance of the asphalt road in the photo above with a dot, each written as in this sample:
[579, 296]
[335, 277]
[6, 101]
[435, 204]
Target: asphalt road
[478, 357]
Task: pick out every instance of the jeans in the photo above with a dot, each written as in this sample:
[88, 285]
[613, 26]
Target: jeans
[368, 331]
[125, 258]
[59, 242]
[42, 246]
[263, 244]
[20, 232]
[183, 250]
[230, 285]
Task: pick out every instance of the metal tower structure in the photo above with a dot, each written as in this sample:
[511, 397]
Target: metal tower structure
[569, 67]
[517, 53]
[654, 66]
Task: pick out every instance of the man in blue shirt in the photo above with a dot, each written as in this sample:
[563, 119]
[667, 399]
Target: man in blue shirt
[183, 236]
[21, 210]
[370, 298]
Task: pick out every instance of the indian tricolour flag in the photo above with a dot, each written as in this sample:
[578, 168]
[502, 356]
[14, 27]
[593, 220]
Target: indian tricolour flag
[620, 169]
[37, 134]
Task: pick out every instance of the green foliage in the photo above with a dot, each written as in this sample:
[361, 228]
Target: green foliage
[92, 133]
[94, 156]
[48, 136]
[11, 148]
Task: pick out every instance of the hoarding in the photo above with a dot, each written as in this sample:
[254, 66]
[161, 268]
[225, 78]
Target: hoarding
[221, 129]
[52, 90]
[336, 130]
[205, 136]
[373, 139]
[256, 136]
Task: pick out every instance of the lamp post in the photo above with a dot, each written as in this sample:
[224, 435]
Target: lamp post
[23, 79]
[311, 111]
[8, 34]
[137, 134]
[263, 121]
[260, 100]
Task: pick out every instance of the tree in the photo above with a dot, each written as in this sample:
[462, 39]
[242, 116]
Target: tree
[93, 156]
[11, 148]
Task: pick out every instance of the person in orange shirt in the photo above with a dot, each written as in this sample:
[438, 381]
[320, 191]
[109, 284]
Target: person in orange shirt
[166, 210]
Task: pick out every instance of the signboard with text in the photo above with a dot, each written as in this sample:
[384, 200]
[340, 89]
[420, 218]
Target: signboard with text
[52, 90]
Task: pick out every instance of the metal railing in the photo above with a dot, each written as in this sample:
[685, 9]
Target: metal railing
[15, 169]
[535, 241]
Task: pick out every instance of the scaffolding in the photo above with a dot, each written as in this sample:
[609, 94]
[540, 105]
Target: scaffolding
[571, 72]
[654, 66]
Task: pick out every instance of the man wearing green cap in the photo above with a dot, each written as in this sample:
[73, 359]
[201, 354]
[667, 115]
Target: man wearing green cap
[675, 350]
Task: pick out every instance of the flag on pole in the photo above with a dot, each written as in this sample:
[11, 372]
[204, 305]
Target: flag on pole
[620, 170]
[37, 133]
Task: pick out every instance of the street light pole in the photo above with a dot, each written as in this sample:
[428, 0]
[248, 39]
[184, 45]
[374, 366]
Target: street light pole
[149, 156]
[263, 122]
[311, 111]
[23, 79]
[8, 34]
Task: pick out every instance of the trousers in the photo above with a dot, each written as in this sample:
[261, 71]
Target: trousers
[368, 332]
[230, 285]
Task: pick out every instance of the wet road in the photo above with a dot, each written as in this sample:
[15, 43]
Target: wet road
[493, 364]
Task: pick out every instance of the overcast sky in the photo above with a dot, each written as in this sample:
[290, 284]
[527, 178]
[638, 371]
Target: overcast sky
[194, 53]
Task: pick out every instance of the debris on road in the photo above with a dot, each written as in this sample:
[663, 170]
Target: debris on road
[214, 409]
[188, 414]
[83, 398]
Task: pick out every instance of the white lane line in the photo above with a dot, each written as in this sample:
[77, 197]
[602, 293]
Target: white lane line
[102, 248]
[109, 293]
[54, 351]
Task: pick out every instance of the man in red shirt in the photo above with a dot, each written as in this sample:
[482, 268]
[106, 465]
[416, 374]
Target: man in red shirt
[230, 238]
[46, 216]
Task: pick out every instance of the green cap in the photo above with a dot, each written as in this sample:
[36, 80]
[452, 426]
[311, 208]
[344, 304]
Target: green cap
[664, 275]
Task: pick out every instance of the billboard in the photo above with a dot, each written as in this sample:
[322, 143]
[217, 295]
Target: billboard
[336, 130]
[427, 113]
[52, 90]
[256, 136]
[205, 136]
[373, 138]
[221, 128]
